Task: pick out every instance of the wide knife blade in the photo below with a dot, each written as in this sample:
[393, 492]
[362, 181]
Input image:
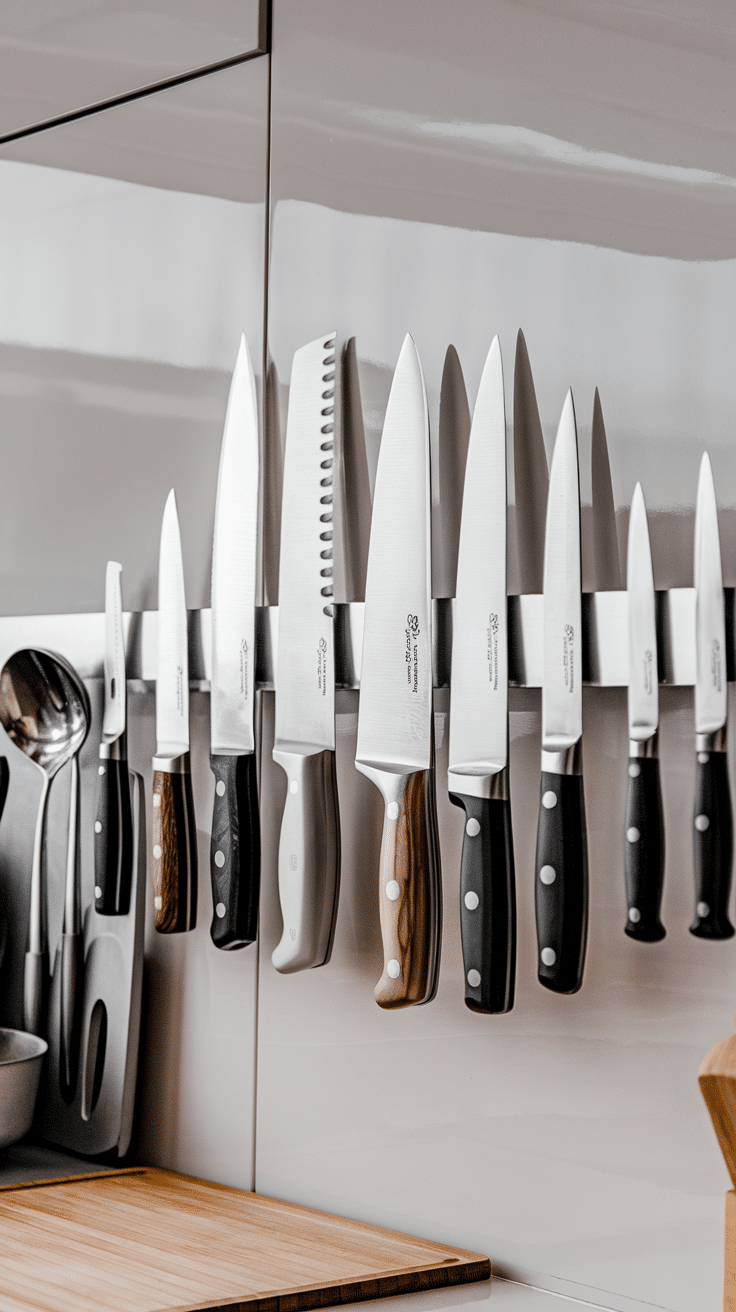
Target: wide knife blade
[174, 830]
[235, 844]
[113, 822]
[309, 849]
[395, 739]
[644, 848]
[713, 822]
[478, 750]
[561, 861]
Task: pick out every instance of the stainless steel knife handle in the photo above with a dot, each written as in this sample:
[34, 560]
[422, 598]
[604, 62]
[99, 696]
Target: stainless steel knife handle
[712, 846]
[309, 860]
[235, 851]
[174, 846]
[488, 902]
[644, 846]
[409, 889]
[561, 883]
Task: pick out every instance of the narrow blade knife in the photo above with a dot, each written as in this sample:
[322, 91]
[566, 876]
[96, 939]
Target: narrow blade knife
[606, 563]
[236, 838]
[174, 829]
[561, 886]
[395, 721]
[309, 847]
[531, 478]
[113, 822]
[644, 843]
[712, 820]
[478, 752]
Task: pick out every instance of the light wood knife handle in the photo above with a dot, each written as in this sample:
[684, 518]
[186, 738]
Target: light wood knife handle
[174, 853]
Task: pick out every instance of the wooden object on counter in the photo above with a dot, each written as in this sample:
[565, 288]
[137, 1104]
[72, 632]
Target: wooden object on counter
[155, 1241]
[717, 1080]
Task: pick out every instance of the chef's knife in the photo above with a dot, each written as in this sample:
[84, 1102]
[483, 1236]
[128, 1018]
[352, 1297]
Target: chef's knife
[235, 846]
[113, 823]
[712, 821]
[561, 885]
[174, 829]
[478, 754]
[395, 741]
[644, 845]
[304, 746]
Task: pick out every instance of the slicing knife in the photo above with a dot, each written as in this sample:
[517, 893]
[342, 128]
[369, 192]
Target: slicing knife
[304, 746]
[395, 747]
[235, 846]
[531, 479]
[606, 563]
[478, 753]
[113, 822]
[561, 884]
[712, 820]
[174, 829]
[644, 845]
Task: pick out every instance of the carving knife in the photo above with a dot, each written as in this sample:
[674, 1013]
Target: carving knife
[478, 754]
[712, 820]
[174, 829]
[644, 845]
[235, 846]
[113, 822]
[309, 847]
[561, 885]
[606, 563]
[531, 479]
[395, 720]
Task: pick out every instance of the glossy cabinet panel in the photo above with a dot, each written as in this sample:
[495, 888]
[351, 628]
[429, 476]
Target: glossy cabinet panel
[57, 57]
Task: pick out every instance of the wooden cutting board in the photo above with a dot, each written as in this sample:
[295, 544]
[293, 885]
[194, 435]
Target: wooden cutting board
[155, 1241]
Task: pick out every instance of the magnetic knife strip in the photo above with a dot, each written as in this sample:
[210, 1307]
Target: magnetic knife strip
[81, 638]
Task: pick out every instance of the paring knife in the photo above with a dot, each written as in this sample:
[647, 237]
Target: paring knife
[174, 829]
[644, 845]
[561, 886]
[478, 756]
[395, 722]
[309, 847]
[236, 838]
[712, 821]
[113, 823]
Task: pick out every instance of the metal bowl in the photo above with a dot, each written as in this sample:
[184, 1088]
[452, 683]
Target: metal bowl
[21, 1056]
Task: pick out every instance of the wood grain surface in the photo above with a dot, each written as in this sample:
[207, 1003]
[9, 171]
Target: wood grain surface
[407, 923]
[155, 1241]
[717, 1080]
[174, 853]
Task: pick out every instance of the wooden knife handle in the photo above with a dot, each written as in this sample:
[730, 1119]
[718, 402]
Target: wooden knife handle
[174, 853]
[235, 852]
[410, 897]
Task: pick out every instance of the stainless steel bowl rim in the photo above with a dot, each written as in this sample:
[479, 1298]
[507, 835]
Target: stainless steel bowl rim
[37, 1047]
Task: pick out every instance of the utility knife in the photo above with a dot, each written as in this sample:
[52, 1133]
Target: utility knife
[113, 822]
[395, 747]
[478, 753]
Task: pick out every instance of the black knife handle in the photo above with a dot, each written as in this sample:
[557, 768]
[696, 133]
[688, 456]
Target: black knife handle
[712, 847]
[644, 850]
[561, 884]
[487, 903]
[235, 851]
[113, 840]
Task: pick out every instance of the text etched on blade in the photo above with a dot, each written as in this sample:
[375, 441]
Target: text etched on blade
[180, 690]
[244, 669]
[492, 649]
[648, 672]
[322, 666]
[411, 654]
[568, 657]
[716, 670]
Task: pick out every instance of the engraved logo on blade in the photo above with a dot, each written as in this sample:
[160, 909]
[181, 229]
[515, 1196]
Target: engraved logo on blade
[411, 652]
[180, 690]
[492, 649]
[648, 672]
[244, 670]
[716, 666]
[568, 657]
[322, 666]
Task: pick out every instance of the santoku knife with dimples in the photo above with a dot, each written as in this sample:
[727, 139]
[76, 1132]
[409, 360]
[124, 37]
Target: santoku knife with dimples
[113, 823]
[304, 745]
[174, 829]
[478, 753]
[235, 847]
[395, 722]
[561, 885]
[712, 820]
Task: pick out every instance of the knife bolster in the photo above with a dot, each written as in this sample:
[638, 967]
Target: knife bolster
[646, 749]
[567, 761]
[172, 764]
[495, 787]
[117, 750]
[712, 742]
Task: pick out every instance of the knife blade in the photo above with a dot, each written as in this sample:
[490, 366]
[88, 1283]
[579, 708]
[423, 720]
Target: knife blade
[395, 747]
[478, 751]
[712, 820]
[174, 828]
[644, 848]
[606, 562]
[236, 836]
[531, 479]
[304, 745]
[561, 886]
[113, 822]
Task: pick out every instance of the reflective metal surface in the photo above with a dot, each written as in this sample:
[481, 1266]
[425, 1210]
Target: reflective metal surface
[711, 688]
[643, 697]
[21, 1057]
[562, 684]
[172, 671]
[44, 709]
[116, 687]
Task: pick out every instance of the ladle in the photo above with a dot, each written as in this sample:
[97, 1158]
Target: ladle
[45, 711]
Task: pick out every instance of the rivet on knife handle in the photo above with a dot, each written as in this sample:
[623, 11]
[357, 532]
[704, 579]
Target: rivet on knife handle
[644, 848]
[487, 903]
[174, 847]
[561, 883]
[712, 846]
[309, 860]
[235, 852]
